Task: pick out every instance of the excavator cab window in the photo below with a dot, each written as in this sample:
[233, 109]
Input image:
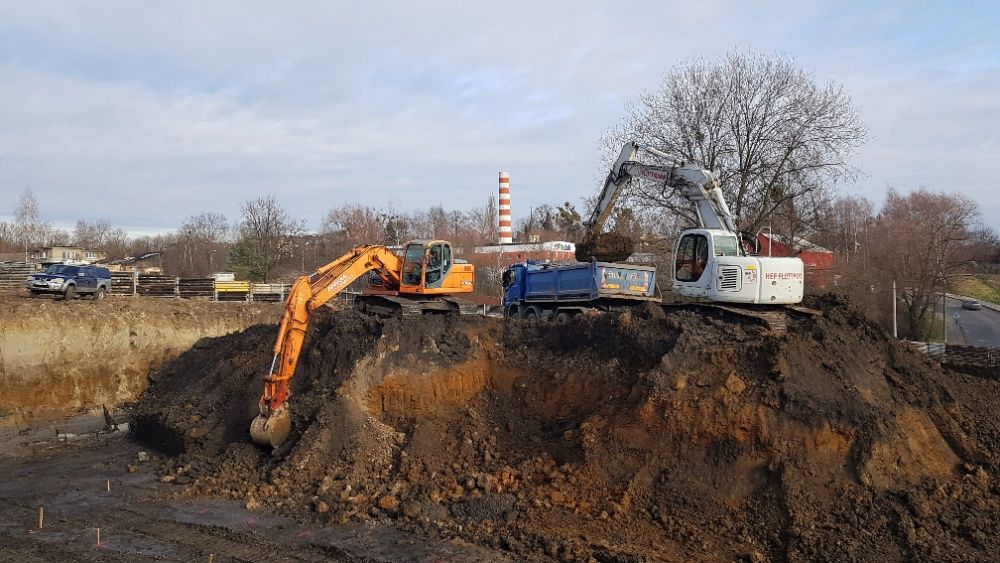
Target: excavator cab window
[413, 264]
[692, 257]
[725, 245]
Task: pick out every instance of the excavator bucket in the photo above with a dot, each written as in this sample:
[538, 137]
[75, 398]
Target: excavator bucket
[272, 429]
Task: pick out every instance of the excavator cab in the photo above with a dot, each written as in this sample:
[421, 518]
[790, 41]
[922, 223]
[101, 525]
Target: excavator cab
[429, 267]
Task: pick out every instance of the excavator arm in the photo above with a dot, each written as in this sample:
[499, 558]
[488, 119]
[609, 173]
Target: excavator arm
[273, 424]
[697, 185]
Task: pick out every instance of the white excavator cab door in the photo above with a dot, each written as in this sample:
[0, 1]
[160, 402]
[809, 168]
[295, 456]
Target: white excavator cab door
[693, 265]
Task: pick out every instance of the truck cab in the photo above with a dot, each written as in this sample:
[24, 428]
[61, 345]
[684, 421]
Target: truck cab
[708, 264]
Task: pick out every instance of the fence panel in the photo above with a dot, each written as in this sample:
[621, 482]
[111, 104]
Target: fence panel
[14, 275]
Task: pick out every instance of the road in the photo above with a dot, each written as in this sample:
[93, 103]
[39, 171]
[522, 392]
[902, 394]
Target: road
[973, 328]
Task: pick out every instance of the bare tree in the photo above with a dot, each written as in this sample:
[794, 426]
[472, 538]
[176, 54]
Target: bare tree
[28, 228]
[199, 239]
[100, 235]
[487, 221]
[771, 133]
[266, 235]
[919, 240]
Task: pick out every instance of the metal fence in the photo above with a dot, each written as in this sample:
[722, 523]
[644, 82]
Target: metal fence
[957, 354]
[13, 276]
[147, 285]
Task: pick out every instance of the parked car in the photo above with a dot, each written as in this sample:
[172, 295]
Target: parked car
[69, 281]
[972, 305]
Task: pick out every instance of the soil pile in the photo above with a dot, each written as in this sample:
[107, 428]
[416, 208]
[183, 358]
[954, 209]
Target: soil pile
[605, 247]
[650, 434]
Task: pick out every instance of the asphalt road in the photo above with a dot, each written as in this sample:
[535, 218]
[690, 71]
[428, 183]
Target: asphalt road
[973, 328]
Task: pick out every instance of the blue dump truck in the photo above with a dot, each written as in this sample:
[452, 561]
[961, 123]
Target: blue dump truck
[543, 290]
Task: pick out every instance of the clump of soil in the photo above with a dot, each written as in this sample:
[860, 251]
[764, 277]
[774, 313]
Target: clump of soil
[649, 434]
[605, 247]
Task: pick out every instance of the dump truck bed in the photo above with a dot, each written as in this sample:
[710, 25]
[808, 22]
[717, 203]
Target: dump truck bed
[587, 281]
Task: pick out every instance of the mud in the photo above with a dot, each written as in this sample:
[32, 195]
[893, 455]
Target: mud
[96, 480]
[647, 435]
[58, 358]
[605, 247]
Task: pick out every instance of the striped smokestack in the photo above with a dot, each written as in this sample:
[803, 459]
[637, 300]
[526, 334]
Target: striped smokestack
[506, 229]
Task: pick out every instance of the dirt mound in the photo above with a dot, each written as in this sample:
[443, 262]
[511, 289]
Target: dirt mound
[605, 247]
[649, 434]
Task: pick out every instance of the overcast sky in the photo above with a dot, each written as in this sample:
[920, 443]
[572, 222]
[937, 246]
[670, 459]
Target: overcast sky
[145, 113]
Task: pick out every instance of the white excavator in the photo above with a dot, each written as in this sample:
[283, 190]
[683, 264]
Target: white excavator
[709, 261]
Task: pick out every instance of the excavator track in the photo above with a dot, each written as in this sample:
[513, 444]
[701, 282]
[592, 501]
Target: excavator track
[393, 305]
[775, 318]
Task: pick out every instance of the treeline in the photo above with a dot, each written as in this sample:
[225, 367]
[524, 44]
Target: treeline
[924, 241]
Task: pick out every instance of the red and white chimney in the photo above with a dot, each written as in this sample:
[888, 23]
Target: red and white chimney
[506, 229]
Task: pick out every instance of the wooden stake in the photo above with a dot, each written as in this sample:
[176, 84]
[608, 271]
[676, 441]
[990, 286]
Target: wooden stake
[109, 485]
[98, 537]
[211, 557]
[41, 517]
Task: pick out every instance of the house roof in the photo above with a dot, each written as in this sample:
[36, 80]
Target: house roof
[797, 243]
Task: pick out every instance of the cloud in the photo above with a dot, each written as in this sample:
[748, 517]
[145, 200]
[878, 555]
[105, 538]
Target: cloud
[146, 116]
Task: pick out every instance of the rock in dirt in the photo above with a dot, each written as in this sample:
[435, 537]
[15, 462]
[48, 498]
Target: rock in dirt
[585, 439]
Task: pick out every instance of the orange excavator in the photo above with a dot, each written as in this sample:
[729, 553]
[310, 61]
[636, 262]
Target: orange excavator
[421, 281]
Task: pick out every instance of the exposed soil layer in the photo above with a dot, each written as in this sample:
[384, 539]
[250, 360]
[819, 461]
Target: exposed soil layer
[650, 434]
[63, 357]
[605, 247]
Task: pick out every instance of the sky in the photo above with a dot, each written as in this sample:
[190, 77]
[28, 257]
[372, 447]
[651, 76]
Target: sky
[144, 113]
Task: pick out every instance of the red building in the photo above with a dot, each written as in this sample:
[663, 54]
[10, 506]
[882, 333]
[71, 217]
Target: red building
[818, 261]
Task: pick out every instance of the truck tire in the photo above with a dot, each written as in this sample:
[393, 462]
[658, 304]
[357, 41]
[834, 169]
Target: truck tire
[34, 292]
[99, 294]
[562, 317]
[531, 314]
[70, 293]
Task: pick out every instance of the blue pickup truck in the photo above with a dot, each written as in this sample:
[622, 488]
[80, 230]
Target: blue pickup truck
[542, 290]
[69, 281]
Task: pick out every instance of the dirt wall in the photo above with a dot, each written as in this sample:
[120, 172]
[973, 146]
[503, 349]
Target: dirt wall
[647, 435]
[58, 358]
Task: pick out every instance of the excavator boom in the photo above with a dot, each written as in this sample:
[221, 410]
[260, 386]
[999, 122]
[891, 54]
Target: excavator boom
[273, 424]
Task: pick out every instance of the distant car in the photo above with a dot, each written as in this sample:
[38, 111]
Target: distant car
[68, 281]
[972, 305]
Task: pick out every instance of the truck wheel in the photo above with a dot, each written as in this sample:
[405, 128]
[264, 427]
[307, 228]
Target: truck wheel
[99, 294]
[70, 293]
[531, 314]
[34, 292]
[562, 317]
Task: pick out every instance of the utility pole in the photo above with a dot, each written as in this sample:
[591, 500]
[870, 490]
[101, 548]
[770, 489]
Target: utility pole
[944, 316]
[894, 333]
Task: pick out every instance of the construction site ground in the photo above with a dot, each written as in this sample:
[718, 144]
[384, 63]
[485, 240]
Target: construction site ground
[86, 479]
[652, 434]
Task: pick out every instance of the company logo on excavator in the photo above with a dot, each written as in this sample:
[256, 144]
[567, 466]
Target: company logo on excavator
[338, 283]
[783, 276]
[656, 175]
